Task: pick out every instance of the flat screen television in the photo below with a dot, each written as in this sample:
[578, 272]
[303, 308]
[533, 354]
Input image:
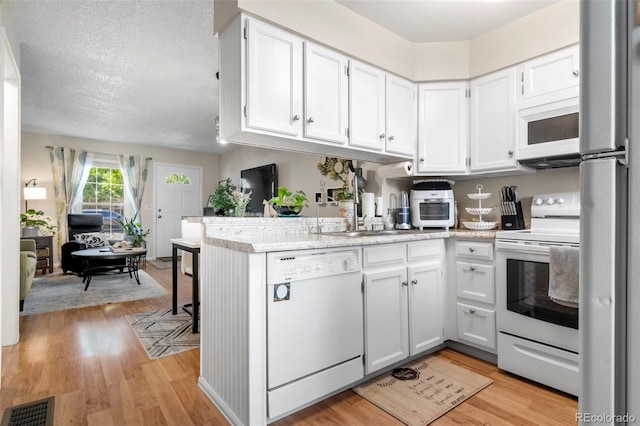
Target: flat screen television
[262, 182]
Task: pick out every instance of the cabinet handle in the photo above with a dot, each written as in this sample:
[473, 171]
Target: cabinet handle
[296, 117]
[471, 250]
[472, 268]
[472, 311]
[422, 159]
[510, 152]
[404, 283]
[391, 137]
[414, 282]
[576, 72]
[382, 136]
[310, 120]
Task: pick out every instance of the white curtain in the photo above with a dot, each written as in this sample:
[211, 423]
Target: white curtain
[135, 169]
[70, 173]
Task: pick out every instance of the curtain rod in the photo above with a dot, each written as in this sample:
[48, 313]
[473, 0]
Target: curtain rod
[101, 153]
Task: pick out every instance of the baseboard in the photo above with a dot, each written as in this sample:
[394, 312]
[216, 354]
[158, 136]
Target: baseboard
[474, 352]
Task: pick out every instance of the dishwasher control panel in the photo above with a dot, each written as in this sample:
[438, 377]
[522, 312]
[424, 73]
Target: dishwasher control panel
[304, 265]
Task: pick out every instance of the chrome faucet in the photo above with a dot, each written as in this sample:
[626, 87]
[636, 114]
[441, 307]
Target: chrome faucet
[354, 222]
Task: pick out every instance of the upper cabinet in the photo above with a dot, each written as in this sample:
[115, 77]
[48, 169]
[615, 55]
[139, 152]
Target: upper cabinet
[274, 79]
[443, 128]
[401, 126]
[367, 106]
[551, 73]
[280, 91]
[493, 98]
[326, 89]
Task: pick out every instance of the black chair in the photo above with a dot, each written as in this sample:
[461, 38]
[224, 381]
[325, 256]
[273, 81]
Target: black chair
[80, 224]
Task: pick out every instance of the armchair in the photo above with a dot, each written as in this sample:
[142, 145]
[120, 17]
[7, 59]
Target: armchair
[28, 262]
[81, 224]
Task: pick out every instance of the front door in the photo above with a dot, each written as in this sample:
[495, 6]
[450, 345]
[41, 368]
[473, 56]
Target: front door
[178, 193]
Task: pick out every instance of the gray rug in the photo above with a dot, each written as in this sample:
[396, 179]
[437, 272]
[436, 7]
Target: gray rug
[162, 264]
[59, 291]
[162, 333]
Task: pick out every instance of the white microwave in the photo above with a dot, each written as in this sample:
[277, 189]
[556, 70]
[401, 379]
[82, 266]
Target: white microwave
[548, 130]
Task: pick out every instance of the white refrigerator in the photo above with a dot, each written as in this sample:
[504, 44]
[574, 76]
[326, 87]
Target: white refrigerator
[610, 194]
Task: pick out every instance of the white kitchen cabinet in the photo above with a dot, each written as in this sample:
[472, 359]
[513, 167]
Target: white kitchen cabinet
[326, 94]
[401, 112]
[403, 301]
[475, 291]
[274, 79]
[366, 106]
[550, 73]
[443, 128]
[493, 134]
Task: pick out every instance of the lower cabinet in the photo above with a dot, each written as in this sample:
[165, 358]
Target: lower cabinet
[477, 325]
[403, 301]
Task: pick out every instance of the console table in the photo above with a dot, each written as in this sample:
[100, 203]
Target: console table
[192, 247]
[44, 251]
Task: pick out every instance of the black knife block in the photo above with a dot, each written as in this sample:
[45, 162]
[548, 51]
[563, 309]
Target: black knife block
[514, 221]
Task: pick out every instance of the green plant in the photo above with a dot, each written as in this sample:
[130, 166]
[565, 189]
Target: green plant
[133, 229]
[222, 200]
[36, 219]
[294, 200]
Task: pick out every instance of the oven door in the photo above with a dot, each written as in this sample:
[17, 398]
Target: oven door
[523, 305]
[548, 130]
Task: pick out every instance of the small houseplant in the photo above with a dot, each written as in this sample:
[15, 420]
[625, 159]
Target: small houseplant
[34, 222]
[222, 200]
[133, 231]
[289, 203]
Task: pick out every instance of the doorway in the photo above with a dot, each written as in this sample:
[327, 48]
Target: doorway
[178, 193]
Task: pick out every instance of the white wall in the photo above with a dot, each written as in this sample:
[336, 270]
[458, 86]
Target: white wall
[36, 164]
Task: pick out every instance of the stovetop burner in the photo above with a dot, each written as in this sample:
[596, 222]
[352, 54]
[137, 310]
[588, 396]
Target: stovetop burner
[554, 218]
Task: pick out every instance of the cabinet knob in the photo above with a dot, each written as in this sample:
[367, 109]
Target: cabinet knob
[472, 311]
[159, 216]
[472, 268]
[405, 283]
[391, 137]
[382, 135]
[422, 159]
[510, 152]
[296, 117]
[414, 282]
[310, 120]
[576, 73]
[471, 250]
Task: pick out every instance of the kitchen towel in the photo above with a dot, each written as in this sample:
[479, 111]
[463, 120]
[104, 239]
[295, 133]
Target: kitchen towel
[563, 275]
[396, 170]
[368, 204]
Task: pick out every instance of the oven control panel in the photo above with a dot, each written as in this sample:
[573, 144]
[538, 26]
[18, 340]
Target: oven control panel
[559, 204]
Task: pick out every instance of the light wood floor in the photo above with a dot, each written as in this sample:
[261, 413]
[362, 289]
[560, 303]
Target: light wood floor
[90, 360]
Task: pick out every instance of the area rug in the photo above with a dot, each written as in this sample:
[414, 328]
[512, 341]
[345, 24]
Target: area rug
[162, 264]
[160, 333]
[59, 291]
[420, 392]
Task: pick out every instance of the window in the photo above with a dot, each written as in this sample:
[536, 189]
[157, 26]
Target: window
[104, 194]
[179, 179]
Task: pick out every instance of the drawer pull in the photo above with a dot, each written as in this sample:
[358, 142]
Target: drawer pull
[472, 268]
[471, 250]
[472, 311]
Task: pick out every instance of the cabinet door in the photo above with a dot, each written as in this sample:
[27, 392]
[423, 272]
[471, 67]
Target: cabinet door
[326, 85]
[493, 121]
[401, 112]
[274, 78]
[366, 106]
[386, 331]
[426, 322]
[550, 73]
[477, 325]
[475, 282]
[443, 129]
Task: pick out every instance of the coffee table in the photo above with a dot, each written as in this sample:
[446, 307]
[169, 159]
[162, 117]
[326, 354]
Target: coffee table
[91, 255]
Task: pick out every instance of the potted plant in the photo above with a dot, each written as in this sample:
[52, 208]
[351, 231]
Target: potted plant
[289, 203]
[33, 222]
[133, 231]
[222, 200]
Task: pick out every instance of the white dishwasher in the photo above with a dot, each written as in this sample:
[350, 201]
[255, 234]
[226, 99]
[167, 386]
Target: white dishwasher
[314, 325]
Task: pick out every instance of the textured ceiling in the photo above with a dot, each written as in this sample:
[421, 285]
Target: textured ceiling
[126, 71]
[143, 71]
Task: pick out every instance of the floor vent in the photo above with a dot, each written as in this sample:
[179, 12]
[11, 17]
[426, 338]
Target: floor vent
[37, 413]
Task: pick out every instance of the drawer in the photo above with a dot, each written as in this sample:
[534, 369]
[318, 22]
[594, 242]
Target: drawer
[476, 282]
[424, 250]
[382, 255]
[477, 325]
[478, 250]
[42, 252]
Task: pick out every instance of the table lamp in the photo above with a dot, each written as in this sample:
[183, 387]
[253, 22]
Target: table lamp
[33, 192]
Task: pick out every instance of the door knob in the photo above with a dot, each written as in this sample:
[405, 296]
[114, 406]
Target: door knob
[404, 283]
[391, 137]
[296, 117]
[310, 120]
[159, 216]
[382, 136]
[414, 282]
